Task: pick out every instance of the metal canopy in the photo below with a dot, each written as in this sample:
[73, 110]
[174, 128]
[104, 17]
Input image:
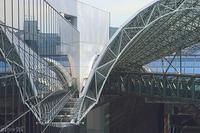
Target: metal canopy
[158, 30]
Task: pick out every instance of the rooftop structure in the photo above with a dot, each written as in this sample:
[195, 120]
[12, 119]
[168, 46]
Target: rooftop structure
[162, 31]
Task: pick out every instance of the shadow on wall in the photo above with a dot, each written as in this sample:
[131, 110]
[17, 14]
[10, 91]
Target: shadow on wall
[130, 114]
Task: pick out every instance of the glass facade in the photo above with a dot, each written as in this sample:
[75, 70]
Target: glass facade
[187, 64]
[62, 59]
[31, 90]
[4, 67]
[93, 24]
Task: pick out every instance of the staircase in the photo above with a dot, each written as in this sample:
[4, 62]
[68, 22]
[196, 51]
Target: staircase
[68, 115]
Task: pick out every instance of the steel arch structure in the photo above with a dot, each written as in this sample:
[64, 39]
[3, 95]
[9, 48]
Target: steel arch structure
[33, 86]
[48, 87]
[157, 31]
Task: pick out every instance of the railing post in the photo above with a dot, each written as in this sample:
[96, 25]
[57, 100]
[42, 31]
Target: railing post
[178, 87]
[193, 88]
[151, 82]
[139, 83]
[164, 85]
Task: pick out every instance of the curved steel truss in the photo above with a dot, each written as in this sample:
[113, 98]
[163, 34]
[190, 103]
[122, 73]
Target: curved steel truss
[43, 92]
[157, 31]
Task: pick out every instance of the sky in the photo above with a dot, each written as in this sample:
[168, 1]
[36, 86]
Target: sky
[120, 10]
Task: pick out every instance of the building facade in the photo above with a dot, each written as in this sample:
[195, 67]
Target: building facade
[93, 25]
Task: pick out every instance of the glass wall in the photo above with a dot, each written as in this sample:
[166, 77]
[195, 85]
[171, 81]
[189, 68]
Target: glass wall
[93, 24]
[31, 92]
[187, 64]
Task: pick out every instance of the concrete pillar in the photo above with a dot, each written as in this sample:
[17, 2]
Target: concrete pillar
[98, 120]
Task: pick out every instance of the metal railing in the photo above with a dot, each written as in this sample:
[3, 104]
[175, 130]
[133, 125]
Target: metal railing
[183, 88]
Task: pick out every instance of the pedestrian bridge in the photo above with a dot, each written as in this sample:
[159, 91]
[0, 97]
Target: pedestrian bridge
[161, 29]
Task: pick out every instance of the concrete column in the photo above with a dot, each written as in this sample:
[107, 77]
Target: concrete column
[98, 120]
